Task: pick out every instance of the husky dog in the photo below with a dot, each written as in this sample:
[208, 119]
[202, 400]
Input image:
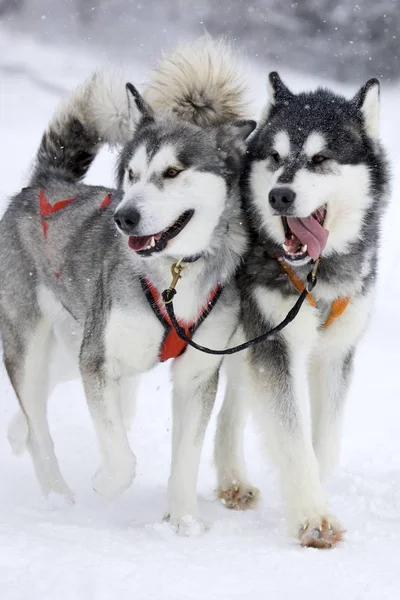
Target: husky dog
[86, 265]
[315, 188]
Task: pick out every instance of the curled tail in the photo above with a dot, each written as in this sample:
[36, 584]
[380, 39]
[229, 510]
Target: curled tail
[94, 114]
[201, 82]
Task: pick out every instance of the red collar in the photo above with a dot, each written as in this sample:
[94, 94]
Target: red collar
[172, 346]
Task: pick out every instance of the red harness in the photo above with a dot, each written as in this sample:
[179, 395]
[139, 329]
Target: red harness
[46, 210]
[172, 346]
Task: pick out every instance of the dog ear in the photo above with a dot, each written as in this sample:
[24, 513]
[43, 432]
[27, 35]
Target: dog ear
[277, 93]
[367, 101]
[232, 136]
[231, 142]
[243, 128]
[138, 107]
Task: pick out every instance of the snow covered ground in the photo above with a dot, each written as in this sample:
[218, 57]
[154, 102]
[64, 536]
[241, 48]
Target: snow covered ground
[98, 550]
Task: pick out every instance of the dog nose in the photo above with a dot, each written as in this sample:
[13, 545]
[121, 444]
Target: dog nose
[281, 199]
[127, 219]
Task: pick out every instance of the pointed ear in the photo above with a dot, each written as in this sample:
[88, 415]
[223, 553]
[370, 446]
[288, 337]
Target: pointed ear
[367, 101]
[277, 93]
[243, 128]
[138, 107]
[233, 135]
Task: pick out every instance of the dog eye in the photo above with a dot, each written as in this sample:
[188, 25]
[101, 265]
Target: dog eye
[275, 156]
[317, 159]
[130, 174]
[172, 172]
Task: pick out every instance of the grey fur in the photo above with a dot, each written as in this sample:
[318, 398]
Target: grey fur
[76, 257]
[304, 352]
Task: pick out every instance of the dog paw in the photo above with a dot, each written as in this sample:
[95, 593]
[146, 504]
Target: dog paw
[323, 532]
[110, 483]
[187, 526]
[239, 496]
[61, 488]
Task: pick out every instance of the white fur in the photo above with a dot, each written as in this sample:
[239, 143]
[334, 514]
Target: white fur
[124, 359]
[33, 398]
[203, 192]
[345, 191]
[190, 373]
[122, 328]
[282, 144]
[370, 112]
[314, 144]
[191, 414]
[291, 450]
[100, 103]
[315, 359]
[327, 398]
[118, 462]
[139, 164]
[262, 181]
[201, 82]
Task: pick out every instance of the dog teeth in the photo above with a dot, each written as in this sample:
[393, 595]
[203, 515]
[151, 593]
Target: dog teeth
[286, 248]
[152, 242]
[304, 248]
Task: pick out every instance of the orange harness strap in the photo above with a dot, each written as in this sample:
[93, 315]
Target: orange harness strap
[338, 306]
[337, 309]
[298, 284]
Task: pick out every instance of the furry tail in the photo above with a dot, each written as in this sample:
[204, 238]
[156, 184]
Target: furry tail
[200, 82]
[94, 114]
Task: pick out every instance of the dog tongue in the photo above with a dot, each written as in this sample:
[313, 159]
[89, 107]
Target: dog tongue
[138, 243]
[309, 232]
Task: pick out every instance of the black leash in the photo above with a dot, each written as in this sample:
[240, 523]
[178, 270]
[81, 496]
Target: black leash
[168, 296]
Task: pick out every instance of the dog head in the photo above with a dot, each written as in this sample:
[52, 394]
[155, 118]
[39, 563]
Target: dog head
[312, 165]
[179, 181]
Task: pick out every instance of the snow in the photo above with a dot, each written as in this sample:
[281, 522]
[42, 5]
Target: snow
[98, 550]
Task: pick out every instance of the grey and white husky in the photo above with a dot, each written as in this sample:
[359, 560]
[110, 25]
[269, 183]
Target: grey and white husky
[315, 188]
[67, 273]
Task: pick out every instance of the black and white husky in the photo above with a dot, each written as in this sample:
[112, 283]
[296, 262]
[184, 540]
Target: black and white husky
[315, 187]
[67, 273]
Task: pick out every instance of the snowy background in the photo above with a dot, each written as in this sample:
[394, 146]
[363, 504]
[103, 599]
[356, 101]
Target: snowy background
[343, 39]
[98, 550]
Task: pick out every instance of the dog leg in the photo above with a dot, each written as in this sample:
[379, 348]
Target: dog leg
[281, 407]
[193, 400]
[329, 381]
[234, 489]
[103, 394]
[18, 429]
[118, 462]
[29, 371]
[129, 387]
[18, 433]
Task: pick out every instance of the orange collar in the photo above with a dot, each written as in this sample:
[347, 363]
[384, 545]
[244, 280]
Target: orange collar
[338, 306]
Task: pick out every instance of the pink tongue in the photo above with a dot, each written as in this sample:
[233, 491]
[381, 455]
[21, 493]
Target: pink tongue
[309, 232]
[138, 243]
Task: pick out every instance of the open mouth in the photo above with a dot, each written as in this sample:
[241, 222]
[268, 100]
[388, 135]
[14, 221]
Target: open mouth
[147, 245]
[305, 237]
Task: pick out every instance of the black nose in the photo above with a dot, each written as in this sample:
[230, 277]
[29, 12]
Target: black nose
[127, 219]
[281, 199]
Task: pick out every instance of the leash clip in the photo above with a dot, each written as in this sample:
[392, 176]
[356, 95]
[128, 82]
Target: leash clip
[312, 277]
[176, 271]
